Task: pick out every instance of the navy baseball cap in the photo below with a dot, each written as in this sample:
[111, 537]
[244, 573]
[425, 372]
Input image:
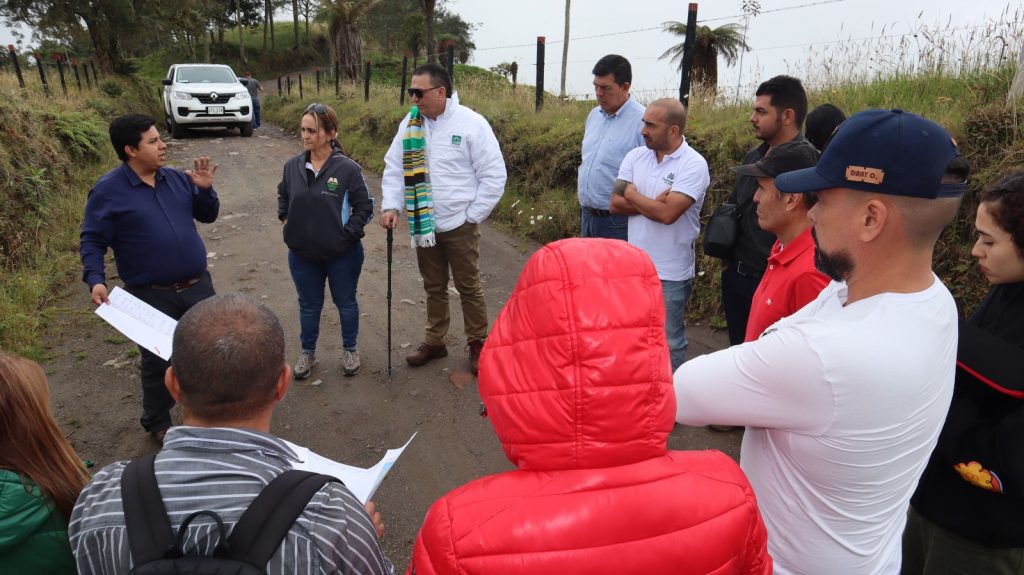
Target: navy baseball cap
[884, 151]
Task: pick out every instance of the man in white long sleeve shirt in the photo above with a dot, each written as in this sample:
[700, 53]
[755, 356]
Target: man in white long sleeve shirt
[467, 179]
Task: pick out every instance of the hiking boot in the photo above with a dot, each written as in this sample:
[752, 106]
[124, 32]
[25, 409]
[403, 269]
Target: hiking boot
[426, 352]
[351, 366]
[474, 355]
[305, 363]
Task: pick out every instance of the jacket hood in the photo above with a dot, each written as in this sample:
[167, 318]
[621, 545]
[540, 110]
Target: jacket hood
[575, 373]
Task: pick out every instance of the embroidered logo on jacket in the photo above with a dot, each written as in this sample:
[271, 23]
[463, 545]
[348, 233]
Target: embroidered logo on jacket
[978, 476]
[332, 184]
[456, 141]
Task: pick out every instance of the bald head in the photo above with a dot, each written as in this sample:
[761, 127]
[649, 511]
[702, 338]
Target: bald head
[675, 112]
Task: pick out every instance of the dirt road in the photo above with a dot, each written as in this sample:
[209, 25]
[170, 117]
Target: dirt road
[94, 370]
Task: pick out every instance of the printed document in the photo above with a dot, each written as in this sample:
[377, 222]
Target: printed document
[363, 483]
[139, 321]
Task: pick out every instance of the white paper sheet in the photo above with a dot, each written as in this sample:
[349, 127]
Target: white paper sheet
[139, 321]
[363, 483]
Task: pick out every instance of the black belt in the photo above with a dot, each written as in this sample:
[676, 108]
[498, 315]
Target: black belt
[597, 213]
[177, 288]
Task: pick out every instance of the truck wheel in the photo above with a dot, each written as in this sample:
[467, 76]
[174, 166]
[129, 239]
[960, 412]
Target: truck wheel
[177, 132]
[246, 130]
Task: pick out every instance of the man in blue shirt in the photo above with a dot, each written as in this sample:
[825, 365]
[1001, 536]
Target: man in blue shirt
[145, 212]
[612, 130]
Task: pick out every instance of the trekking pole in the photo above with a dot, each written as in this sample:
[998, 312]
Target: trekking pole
[391, 241]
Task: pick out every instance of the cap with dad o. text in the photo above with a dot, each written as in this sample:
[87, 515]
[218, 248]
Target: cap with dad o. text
[787, 157]
[885, 151]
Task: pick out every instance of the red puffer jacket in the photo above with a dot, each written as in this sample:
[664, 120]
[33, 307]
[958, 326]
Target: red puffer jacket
[575, 378]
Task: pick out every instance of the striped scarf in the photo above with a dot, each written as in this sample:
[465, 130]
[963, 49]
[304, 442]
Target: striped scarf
[419, 202]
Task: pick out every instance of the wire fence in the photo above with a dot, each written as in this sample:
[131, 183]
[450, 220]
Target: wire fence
[58, 76]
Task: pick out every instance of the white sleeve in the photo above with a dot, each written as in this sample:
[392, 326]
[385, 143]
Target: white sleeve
[392, 182]
[694, 181]
[489, 166]
[777, 381]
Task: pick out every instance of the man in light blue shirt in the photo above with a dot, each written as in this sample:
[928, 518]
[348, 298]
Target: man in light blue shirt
[612, 130]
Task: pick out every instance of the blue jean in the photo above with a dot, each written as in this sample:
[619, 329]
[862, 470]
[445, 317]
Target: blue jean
[342, 274]
[256, 114]
[613, 227]
[677, 295]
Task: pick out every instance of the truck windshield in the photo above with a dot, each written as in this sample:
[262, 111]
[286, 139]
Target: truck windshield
[205, 76]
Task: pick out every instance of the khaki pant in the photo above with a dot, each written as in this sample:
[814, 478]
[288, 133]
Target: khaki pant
[459, 250]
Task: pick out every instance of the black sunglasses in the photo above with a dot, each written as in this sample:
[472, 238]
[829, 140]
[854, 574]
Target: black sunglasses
[316, 108]
[418, 93]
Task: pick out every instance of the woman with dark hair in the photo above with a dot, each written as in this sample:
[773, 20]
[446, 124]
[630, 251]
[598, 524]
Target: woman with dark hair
[40, 474]
[324, 205]
[967, 515]
[821, 123]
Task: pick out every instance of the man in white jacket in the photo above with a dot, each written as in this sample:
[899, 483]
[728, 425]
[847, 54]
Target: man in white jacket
[467, 178]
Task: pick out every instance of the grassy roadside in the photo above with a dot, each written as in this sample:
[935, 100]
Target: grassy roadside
[53, 150]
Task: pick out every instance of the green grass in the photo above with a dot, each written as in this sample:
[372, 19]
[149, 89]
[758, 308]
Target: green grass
[52, 151]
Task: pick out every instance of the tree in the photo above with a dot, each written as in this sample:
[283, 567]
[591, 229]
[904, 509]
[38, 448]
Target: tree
[428, 15]
[727, 41]
[565, 47]
[295, 21]
[105, 21]
[342, 17]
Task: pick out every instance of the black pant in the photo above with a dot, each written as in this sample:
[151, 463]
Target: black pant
[156, 400]
[737, 294]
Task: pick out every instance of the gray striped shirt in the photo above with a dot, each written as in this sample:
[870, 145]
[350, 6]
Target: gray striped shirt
[223, 470]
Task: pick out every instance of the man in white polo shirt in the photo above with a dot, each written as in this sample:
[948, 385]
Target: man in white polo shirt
[661, 187]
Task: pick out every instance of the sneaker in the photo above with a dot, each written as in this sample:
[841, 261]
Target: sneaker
[474, 355]
[351, 362]
[305, 363]
[426, 352]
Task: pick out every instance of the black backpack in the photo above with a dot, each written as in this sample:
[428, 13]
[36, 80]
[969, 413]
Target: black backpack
[255, 538]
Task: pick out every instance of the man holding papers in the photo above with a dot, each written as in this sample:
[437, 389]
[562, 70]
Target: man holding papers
[145, 213]
[229, 373]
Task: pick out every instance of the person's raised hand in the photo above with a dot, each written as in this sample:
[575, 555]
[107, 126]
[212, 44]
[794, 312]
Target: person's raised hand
[202, 172]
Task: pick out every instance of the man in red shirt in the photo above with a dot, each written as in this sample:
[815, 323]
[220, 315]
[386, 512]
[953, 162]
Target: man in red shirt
[791, 279]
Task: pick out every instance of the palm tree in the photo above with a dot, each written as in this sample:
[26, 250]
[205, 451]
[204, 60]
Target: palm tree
[727, 41]
[342, 16]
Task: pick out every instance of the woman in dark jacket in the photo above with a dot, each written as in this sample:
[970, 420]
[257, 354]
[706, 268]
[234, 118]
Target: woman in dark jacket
[967, 515]
[323, 203]
[40, 475]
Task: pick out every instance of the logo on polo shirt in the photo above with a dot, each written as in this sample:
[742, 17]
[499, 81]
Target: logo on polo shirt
[456, 141]
[668, 179]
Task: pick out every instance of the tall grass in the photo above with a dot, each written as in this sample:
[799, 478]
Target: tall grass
[52, 150]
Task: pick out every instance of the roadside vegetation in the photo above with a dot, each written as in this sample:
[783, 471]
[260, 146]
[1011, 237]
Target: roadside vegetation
[51, 151]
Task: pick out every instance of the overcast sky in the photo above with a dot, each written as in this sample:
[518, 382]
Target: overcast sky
[781, 23]
[784, 37]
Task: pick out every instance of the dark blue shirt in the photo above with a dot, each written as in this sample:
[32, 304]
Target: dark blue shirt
[150, 229]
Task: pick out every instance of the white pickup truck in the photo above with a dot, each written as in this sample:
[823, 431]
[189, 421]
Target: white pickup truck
[205, 95]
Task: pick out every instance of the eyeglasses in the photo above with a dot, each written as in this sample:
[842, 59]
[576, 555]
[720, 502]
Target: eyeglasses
[316, 108]
[418, 93]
